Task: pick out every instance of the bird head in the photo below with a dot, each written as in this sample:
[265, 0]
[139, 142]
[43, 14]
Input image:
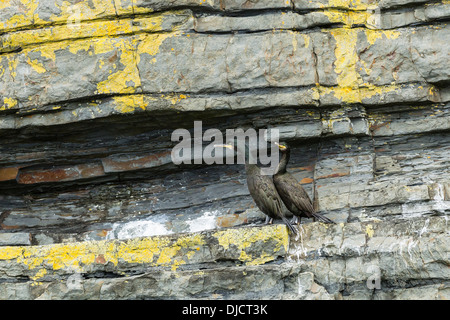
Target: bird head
[228, 146]
[282, 146]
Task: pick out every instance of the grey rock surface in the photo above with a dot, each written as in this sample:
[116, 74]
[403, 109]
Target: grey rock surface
[91, 91]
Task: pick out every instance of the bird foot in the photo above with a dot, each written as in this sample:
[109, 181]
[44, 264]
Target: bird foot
[296, 220]
[269, 220]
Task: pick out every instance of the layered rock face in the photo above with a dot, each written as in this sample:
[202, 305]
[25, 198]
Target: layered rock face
[92, 206]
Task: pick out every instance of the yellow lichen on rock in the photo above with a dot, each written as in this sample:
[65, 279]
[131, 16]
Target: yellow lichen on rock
[243, 238]
[163, 251]
[26, 13]
[17, 18]
[348, 18]
[369, 230]
[36, 65]
[8, 103]
[150, 43]
[374, 35]
[76, 257]
[351, 4]
[346, 57]
[127, 79]
[351, 87]
[89, 29]
[129, 103]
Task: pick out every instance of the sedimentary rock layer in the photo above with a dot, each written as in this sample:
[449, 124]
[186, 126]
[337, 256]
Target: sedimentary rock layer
[92, 206]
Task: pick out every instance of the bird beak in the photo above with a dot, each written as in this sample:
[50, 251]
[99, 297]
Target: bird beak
[228, 146]
[281, 147]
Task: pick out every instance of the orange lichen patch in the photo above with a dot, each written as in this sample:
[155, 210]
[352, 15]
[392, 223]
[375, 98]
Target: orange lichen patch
[60, 174]
[7, 174]
[334, 175]
[306, 180]
[102, 233]
[126, 163]
[231, 220]
[100, 259]
[308, 168]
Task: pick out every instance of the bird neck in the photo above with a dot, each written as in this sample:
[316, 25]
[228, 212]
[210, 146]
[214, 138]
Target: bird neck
[283, 162]
[252, 168]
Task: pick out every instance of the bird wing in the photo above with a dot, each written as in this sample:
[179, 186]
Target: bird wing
[291, 190]
[265, 195]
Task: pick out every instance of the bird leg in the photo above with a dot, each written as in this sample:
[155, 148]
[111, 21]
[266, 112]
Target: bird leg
[269, 220]
[296, 220]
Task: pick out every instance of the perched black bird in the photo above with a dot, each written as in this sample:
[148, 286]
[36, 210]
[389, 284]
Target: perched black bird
[292, 193]
[262, 189]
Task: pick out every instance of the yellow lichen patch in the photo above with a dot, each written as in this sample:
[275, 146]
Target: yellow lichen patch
[346, 57]
[369, 230]
[138, 10]
[174, 98]
[348, 18]
[243, 238]
[8, 103]
[170, 255]
[87, 29]
[39, 274]
[9, 253]
[76, 257]
[166, 251]
[25, 13]
[56, 257]
[260, 260]
[73, 13]
[351, 88]
[350, 4]
[335, 16]
[371, 90]
[374, 35]
[140, 250]
[294, 41]
[123, 6]
[22, 12]
[63, 32]
[295, 34]
[150, 43]
[307, 39]
[315, 93]
[36, 65]
[129, 103]
[345, 94]
[12, 64]
[121, 80]
[165, 257]
[126, 80]
[358, 94]
[433, 93]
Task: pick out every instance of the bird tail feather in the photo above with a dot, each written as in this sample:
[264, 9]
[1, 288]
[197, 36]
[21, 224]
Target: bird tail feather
[290, 226]
[322, 218]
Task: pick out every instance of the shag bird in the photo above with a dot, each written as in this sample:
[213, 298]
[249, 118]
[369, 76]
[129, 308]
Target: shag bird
[292, 193]
[262, 189]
